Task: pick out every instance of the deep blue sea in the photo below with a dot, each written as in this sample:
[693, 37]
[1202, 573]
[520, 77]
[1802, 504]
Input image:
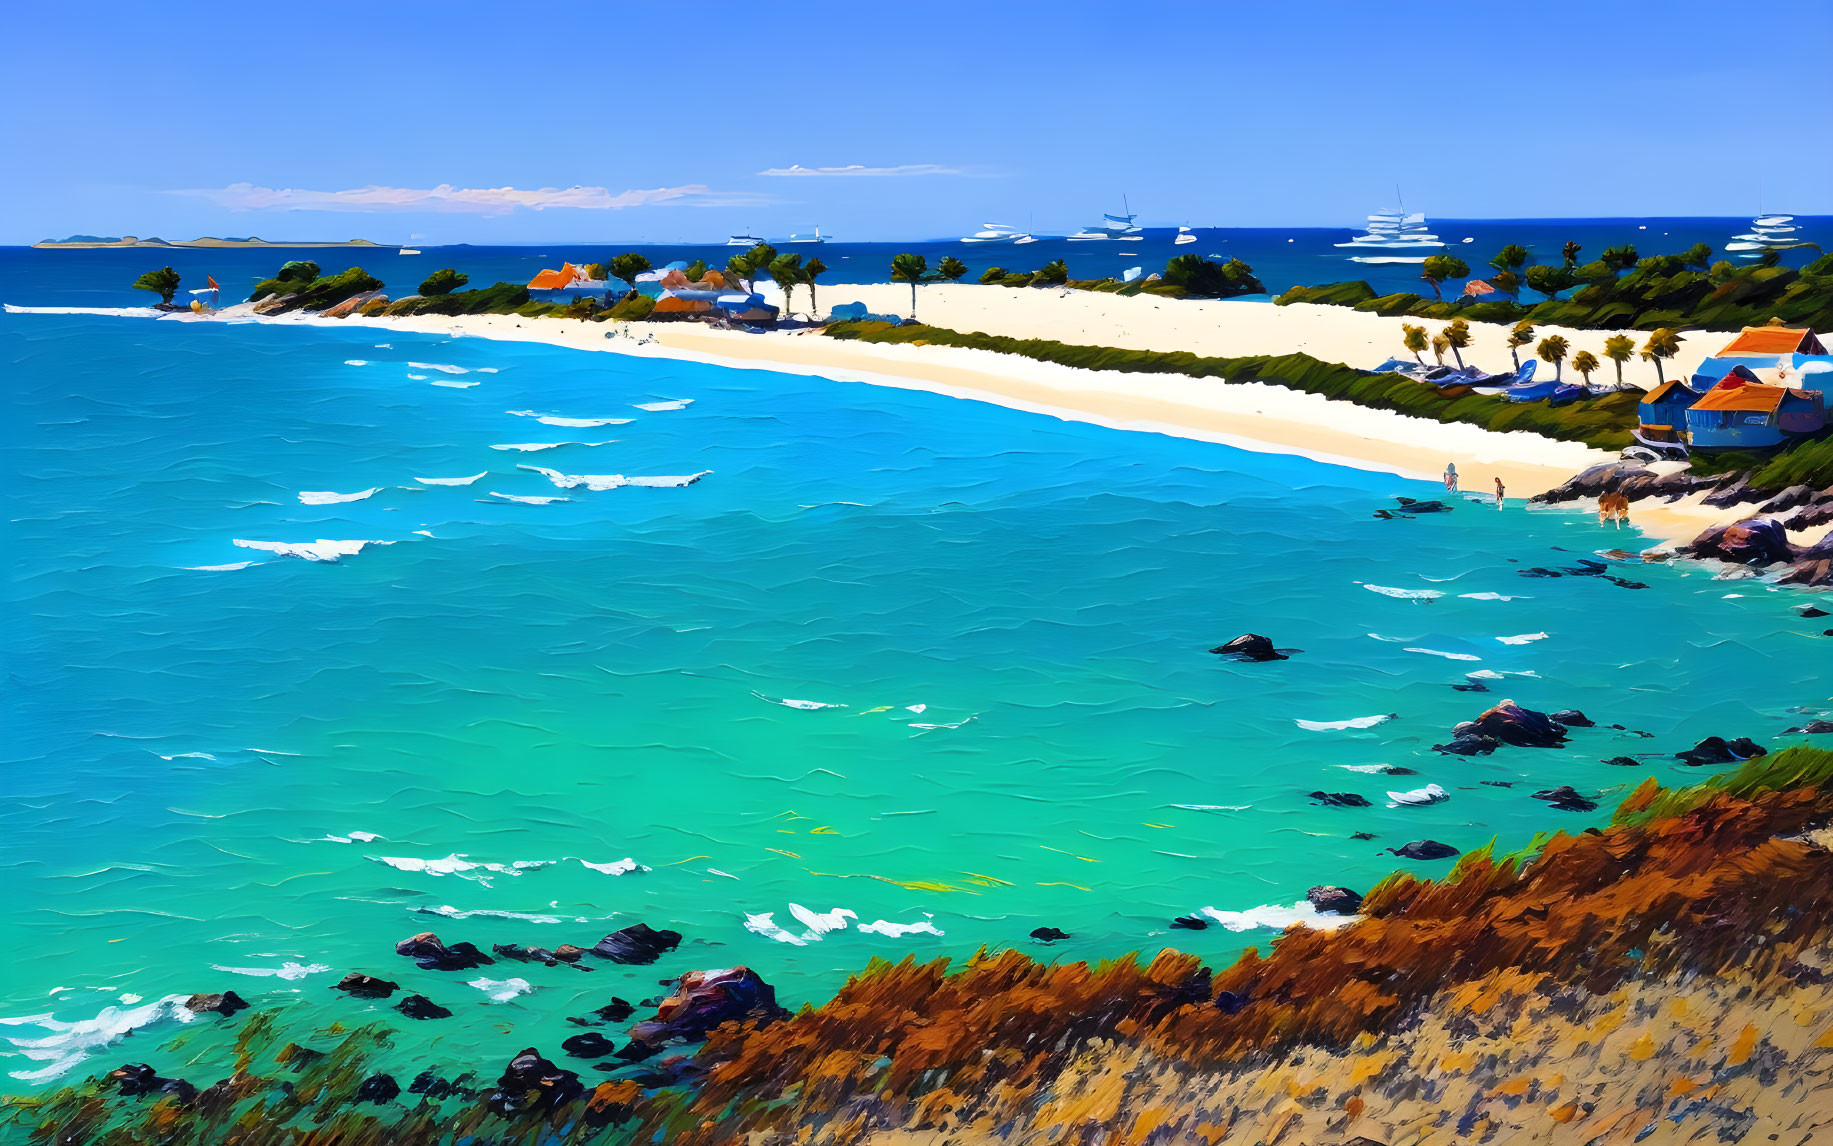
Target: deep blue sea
[1280, 257]
[899, 673]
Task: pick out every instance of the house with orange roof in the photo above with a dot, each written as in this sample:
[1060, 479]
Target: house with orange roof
[564, 284]
[1743, 413]
[1784, 355]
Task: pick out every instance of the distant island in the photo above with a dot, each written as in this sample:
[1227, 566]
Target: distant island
[89, 241]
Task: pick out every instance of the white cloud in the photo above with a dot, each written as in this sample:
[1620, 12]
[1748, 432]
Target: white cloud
[466, 200]
[857, 169]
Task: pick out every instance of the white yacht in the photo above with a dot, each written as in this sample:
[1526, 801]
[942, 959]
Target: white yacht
[1121, 227]
[1765, 231]
[999, 233]
[743, 241]
[817, 237]
[1391, 236]
[1184, 235]
[407, 251]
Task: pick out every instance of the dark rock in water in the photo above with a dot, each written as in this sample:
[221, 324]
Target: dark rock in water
[1340, 799]
[635, 1051]
[1363, 836]
[1811, 728]
[616, 1011]
[1624, 761]
[1424, 850]
[1506, 723]
[1408, 505]
[225, 1004]
[706, 999]
[137, 1078]
[379, 1089]
[1813, 566]
[639, 944]
[1626, 583]
[1471, 686]
[1230, 1003]
[1048, 934]
[431, 1085]
[1191, 923]
[1537, 571]
[653, 1001]
[1334, 900]
[429, 954]
[1397, 770]
[569, 953]
[1572, 718]
[366, 986]
[1250, 647]
[522, 954]
[1567, 799]
[533, 1085]
[1497, 783]
[1758, 541]
[1587, 568]
[589, 1045]
[421, 1007]
[1813, 611]
[1718, 750]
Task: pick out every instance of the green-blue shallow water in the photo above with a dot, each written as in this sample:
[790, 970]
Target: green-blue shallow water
[1007, 615]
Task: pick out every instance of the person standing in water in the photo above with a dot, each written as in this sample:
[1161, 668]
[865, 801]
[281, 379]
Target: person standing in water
[1498, 491]
[1450, 477]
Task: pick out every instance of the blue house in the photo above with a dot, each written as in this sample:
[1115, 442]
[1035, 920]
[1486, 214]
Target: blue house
[1663, 413]
[1742, 413]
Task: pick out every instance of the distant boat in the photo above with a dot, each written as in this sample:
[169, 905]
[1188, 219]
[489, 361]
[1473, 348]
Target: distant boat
[815, 238]
[1184, 235]
[1121, 227]
[743, 241]
[1390, 231]
[1765, 231]
[407, 251]
[999, 233]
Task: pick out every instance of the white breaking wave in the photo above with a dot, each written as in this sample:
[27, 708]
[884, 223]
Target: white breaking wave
[570, 423]
[1491, 674]
[804, 705]
[675, 404]
[529, 447]
[356, 362]
[600, 482]
[458, 865]
[763, 924]
[326, 497]
[110, 311]
[1447, 656]
[449, 912]
[1430, 794]
[1213, 807]
[444, 369]
[528, 500]
[1522, 638]
[69, 1043]
[229, 568]
[898, 930]
[1486, 596]
[1376, 769]
[353, 837]
[451, 481]
[1339, 725]
[1279, 917]
[288, 970]
[324, 549]
[616, 867]
[1405, 594]
[448, 385]
[502, 990]
[819, 924]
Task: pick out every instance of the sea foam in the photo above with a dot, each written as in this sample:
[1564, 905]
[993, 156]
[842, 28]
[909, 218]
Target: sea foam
[1279, 917]
[324, 549]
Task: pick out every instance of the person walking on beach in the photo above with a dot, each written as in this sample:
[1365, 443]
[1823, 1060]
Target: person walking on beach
[1498, 491]
[1450, 477]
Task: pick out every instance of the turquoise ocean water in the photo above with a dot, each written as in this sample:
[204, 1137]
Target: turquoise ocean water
[1004, 615]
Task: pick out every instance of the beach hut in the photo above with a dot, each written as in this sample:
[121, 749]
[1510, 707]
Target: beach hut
[1663, 413]
[1795, 353]
[564, 284]
[1740, 412]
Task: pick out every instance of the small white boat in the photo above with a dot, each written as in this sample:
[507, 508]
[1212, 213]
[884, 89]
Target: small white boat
[743, 241]
[407, 251]
[1765, 231]
[1119, 227]
[1393, 230]
[1184, 235]
[814, 238]
[998, 233]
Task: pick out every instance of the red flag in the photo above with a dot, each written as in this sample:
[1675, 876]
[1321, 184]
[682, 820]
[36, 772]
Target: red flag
[212, 280]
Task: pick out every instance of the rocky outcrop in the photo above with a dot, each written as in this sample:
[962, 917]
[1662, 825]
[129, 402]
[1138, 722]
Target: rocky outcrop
[354, 303]
[1756, 541]
[366, 986]
[707, 999]
[1813, 566]
[1334, 900]
[1190, 923]
[225, 1004]
[421, 1007]
[1607, 477]
[380, 1089]
[1339, 799]
[1718, 750]
[638, 944]
[1048, 934]
[1250, 647]
[532, 1085]
[589, 1045]
[1506, 723]
[137, 1078]
[429, 954]
[1424, 850]
[1567, 799]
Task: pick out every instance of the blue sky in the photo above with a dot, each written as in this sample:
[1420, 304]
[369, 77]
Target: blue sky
[402, 121]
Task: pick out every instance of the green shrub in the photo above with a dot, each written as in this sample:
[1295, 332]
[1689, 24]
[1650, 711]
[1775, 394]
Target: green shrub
[444, 281]
[1206, 278]
[992, 275]
[1329, 294]
[1390, 305]
[632, 308]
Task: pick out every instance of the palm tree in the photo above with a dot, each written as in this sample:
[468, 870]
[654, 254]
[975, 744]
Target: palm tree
[1440, 344]
[786, 272]
[1569, 252]
[910, 269]
[1585, 362]
[810, 270]
[951, 269]
[1618, 348]
[1457, 336]
[1437, 268]
[1553, 349]
[1414, 339]
[1522, 335]
[1662, 343]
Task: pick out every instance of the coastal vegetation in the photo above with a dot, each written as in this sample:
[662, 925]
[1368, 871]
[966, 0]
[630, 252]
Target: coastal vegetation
[300, 286]
[1604, 422]
[1620, 290]
[1678, 952]
[443, 282]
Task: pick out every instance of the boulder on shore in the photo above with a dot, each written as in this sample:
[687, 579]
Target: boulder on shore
[1755, 541]
[1250, 647]
[706, 999]
[1813, 566]
[1334, 900]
